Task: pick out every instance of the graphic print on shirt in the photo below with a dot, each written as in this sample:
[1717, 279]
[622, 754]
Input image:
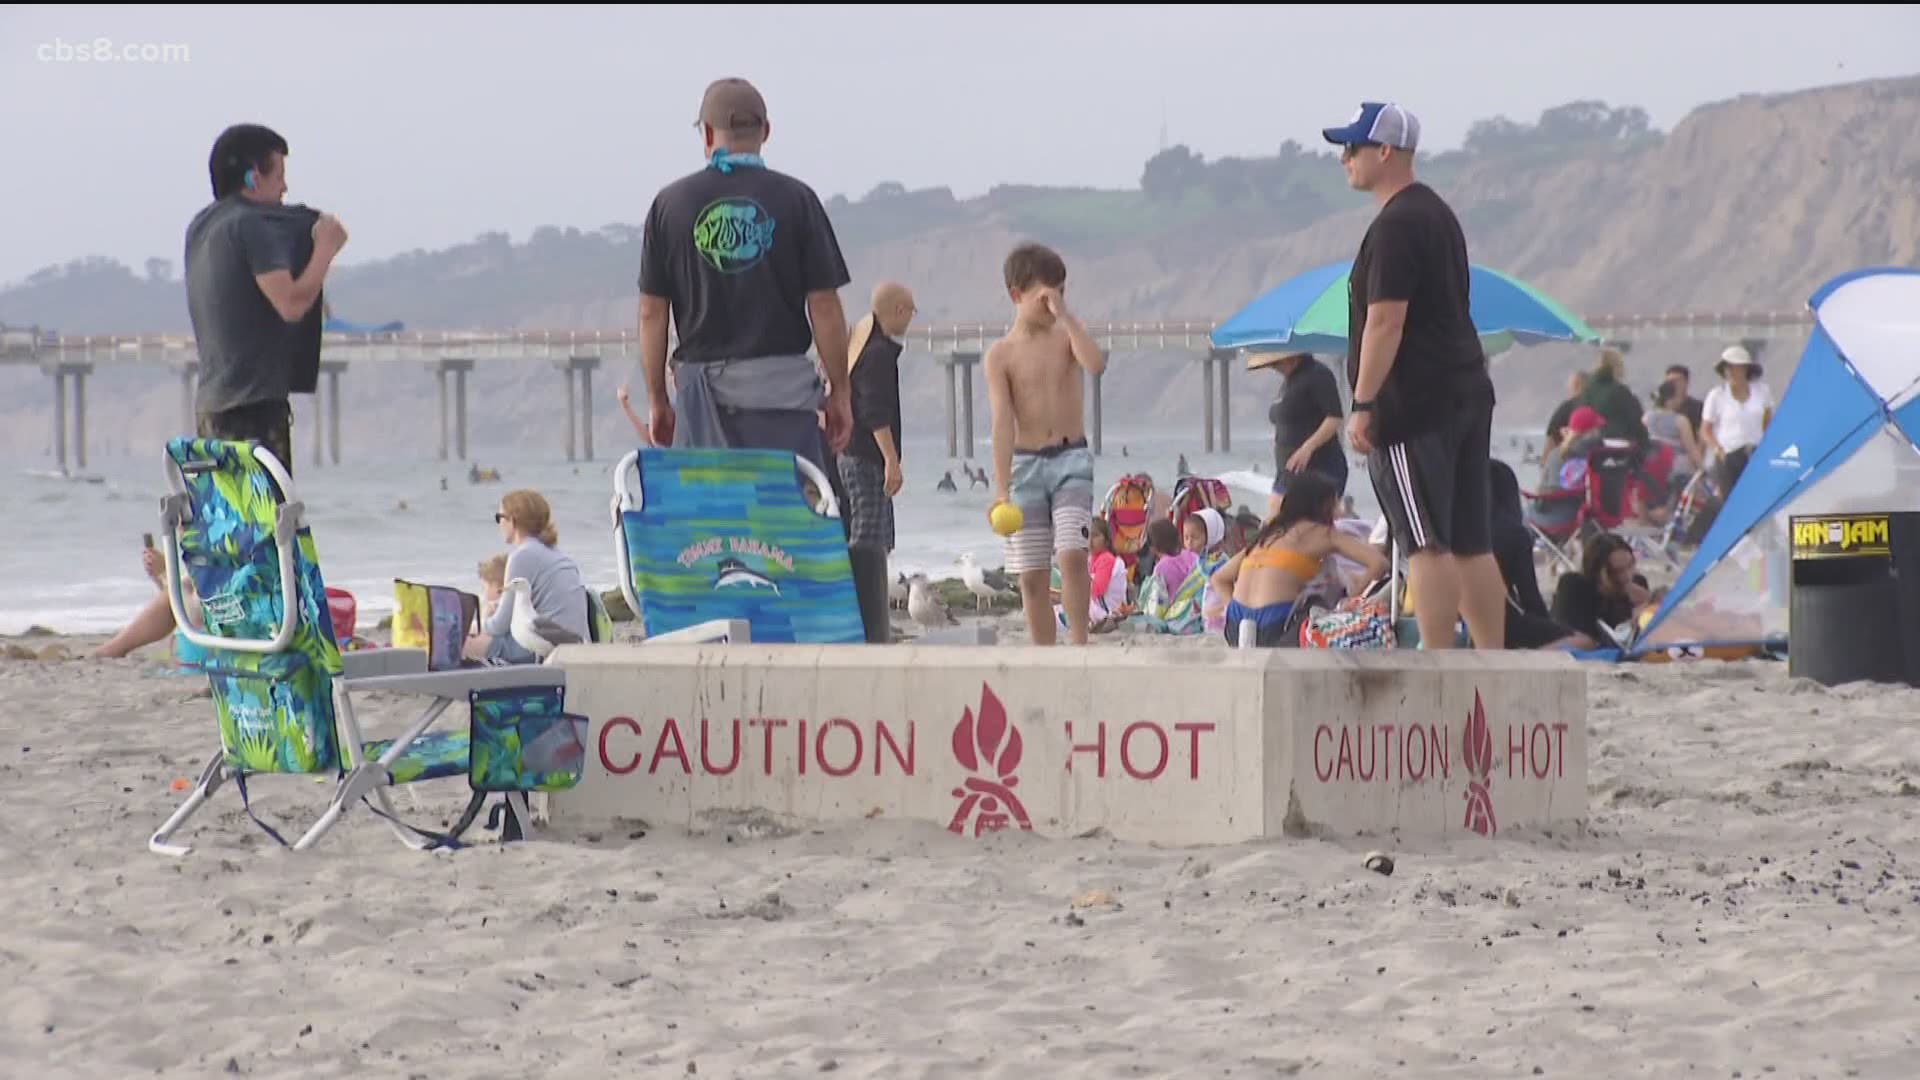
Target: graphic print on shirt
[733, 234]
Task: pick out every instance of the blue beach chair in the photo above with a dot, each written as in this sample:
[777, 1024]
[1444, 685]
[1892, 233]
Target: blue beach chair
[713, 538]
[283, 691]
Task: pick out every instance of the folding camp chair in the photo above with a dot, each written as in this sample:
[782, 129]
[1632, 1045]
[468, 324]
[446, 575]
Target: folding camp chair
[1557, 519]
[712, 538]
[284, 692]
[1602, 502]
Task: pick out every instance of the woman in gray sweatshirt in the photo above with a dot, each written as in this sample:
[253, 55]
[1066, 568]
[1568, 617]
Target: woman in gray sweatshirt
[559, 594]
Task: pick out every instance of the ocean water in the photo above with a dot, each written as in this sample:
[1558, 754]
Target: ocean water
[74, 559]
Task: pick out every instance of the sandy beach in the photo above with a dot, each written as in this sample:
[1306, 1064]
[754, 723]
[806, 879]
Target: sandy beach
[1742, 903]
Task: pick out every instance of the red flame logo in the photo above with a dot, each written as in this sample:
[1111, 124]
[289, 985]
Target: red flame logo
[1476, 751]
[990, 748]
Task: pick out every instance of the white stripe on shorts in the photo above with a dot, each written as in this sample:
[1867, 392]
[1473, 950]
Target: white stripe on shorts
[1403, 479]
[1033, 547]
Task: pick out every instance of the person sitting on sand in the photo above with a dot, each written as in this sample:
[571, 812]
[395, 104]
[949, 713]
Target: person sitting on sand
[1108, 604]
[1173, 557]
[1109, 587]
[557, 591]
[1211, 536]
[155, 621]
[1529, 623]
[493, 582]
[1603, 599]
[1172, 596]
[1286, 554]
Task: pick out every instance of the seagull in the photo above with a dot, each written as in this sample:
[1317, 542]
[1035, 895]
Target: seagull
[897, 591]
[924, 605]
[535, 632]
[977, 584]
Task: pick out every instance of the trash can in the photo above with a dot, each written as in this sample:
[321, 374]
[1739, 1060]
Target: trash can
[1852, 613]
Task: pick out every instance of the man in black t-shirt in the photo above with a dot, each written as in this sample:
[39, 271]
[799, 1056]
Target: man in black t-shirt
[1306, 422]
[1422, 397]
[746, 263]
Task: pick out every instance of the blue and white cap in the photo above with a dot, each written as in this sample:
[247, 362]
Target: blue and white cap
[1378, 122]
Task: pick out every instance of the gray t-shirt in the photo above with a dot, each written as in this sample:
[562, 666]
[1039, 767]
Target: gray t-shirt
[243, 342]
[558, 591]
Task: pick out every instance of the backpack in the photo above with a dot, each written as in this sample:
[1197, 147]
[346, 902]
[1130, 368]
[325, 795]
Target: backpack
[1125, 509]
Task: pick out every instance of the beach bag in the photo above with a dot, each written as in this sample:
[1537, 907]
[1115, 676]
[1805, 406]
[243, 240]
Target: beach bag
[436, 618]
[1354, 623]
[523, 739]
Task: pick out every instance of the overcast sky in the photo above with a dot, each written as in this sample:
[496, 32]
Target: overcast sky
[424, 128]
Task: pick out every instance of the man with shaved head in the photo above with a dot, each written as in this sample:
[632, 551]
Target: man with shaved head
[870, 465]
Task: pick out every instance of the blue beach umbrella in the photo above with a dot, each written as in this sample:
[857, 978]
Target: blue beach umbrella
[1309, 314]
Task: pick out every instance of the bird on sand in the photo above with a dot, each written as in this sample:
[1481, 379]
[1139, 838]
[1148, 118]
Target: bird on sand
[535, 632]
[925, 607]
[976, 581]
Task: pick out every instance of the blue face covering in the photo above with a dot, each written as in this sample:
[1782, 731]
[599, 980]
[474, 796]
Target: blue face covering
[726, 162]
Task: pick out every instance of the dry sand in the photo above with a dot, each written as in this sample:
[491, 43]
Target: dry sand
[1743, 903]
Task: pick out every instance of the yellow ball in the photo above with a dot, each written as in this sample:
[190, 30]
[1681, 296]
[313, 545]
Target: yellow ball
[1007, 519]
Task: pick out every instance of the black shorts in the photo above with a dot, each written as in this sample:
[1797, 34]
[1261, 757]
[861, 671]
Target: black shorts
[269, 423]
[1435, 487]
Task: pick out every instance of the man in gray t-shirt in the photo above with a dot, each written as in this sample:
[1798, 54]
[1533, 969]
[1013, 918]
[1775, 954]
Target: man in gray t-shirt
[249, 287]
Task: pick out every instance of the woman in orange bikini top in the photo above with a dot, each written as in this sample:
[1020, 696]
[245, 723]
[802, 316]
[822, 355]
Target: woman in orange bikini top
[1285, 554]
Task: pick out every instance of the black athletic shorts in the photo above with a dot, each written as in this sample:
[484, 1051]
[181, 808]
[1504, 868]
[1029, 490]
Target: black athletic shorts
[1435, 487]
[269, 423]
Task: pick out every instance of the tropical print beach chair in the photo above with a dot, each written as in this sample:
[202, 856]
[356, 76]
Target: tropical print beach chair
[282, 690]
[712, 538]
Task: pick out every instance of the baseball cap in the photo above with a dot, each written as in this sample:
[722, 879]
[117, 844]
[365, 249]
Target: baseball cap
[732, 105]
[1378, 122]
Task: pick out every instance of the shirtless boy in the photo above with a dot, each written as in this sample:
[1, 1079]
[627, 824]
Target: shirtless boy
[1041, 463]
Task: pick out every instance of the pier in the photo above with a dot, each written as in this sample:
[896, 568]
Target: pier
[68, 361]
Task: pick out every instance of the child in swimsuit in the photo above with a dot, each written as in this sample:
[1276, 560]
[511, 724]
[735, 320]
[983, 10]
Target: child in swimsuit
[1283, 557]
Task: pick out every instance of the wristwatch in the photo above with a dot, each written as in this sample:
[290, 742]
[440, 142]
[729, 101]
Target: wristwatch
[1363, 406]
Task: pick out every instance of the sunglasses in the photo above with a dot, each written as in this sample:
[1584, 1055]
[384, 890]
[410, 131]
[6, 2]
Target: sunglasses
[499, 517]
[1350, 149]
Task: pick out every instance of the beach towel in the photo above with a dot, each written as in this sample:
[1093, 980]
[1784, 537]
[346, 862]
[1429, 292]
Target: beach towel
[1354, 623]
[1174, 611]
